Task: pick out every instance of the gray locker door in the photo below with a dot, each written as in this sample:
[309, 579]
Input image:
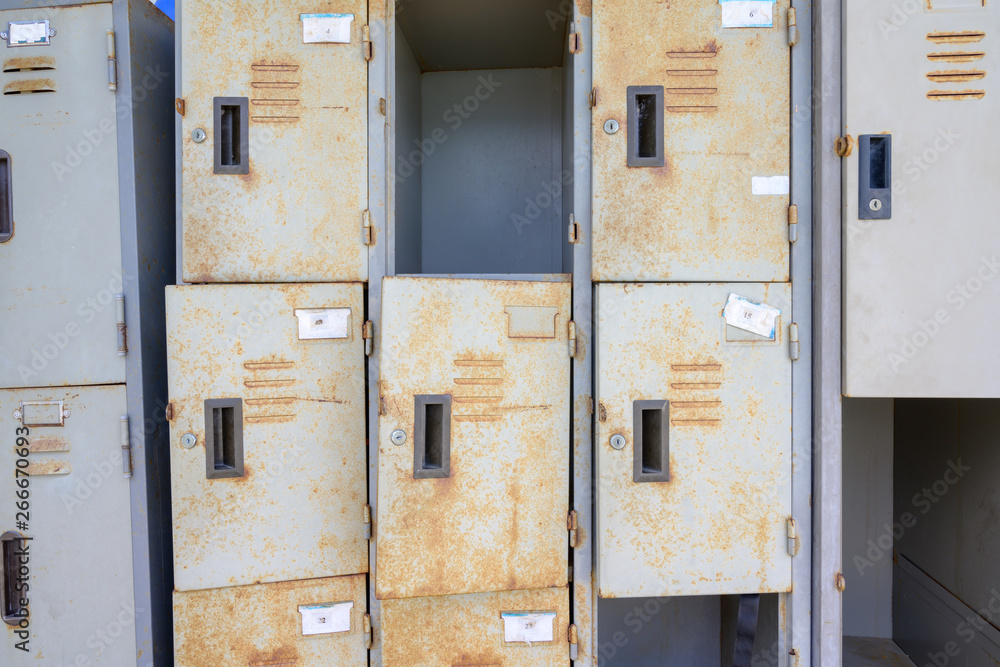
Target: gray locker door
[693, 443]
[921, 239]
[62, 264]
[80, 594]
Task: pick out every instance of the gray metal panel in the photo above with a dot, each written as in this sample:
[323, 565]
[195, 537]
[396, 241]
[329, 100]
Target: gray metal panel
[652, 632]
[408, 161]
[63, 262]
[81, 604]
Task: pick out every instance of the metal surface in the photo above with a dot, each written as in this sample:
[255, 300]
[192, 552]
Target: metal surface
[727, 121]
[297, 215]
[469, 630]
[719, 525]
[262, 625]
[63, 263]
[499, 522]
[297, 512]
[77, 514]
[920, 296]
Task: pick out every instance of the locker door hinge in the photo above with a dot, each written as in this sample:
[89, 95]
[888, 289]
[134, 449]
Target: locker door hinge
[112, 62]
[574, 229]
[593, 98]
[368, 334]
[844, 146]
[122, 330]
[368, 631]
[572, 339]
[367, 231]
[793, 537]
[369, 50]
[793, 341]
[574, 639]
[571, 526]
[368, 522]
[590, 405]
[575, 39]
[381, 105]
[793, 223]
[179, 105]
[169, 412]
[126, 449]
[603, 413]
[793, 28]
[569, 573]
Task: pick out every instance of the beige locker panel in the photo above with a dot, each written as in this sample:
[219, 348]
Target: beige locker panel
[60, 231]
[267, 443]
[64, 488]
[693, 442]
[921, 271]
[473, 476]
[275, 141]
[712, 201]
[507, 629]
[315, 623]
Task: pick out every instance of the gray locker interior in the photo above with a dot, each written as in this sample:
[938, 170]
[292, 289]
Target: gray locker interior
[143, 112]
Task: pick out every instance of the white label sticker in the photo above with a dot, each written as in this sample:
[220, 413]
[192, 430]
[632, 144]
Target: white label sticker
[326, 28]
[323, 323]
[325, 619]
[769, 185]
[747, 13]
[26, 33]
[758, 318]
[528, 628]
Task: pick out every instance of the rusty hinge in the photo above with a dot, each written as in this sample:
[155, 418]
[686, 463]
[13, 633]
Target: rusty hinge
[369, 50]
[169, 412]
[603, 416]
[572, 338]
[569, 573]
[793, 29]
[574, 229]
[368, 334]
[122, 330]
[571, 526]
[368, 631]
[844, 146]
[126, 448]
[368, 232]
[368, 522]
[112, 62]
[593, 98]
[575, 39]
[793, 341]
[574, 639]
[793, 223]
[179, 105]
[381, 105]
[792, 531]
[840, 582]
[590, 405]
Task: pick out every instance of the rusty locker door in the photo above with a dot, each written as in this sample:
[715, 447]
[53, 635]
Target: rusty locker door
[691, 141]
[505, 629]
[473, 478]
[267, 443]
[693, 440]
[275, 140]
[60, 232]
[65, 492]
[316, 623]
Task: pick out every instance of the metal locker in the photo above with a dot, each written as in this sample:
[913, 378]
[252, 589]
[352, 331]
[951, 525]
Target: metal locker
[70, 596]
[528, 628]
[693, 440]
[920, 268]
[60, 237]
[267, 442]
[274, 140]
[691, 141]
[313, 623]
[473, 460]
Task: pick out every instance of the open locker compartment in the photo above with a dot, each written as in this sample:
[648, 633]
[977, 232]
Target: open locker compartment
[479, 171]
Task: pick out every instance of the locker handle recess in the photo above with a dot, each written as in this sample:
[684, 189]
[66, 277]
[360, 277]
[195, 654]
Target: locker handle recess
[645, 126]
[875, 177]
[11, 544]
[651, 441]
[223, 438]
[432, 436]
[6, 199]
[232, 141]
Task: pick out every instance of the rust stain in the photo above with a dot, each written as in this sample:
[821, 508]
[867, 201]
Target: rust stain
[695, 385]
[938, 95]
[956, 75]
[284, 382]
[958, 37]
[49, 467]
[269, 419]
[48, 443]
[29, 64]
[584, 7]
[26, 86]
[696, 368]
[473, 400]
[268, 365]
[479, 381]
[696, 404]
[956, 56]
[489, 363]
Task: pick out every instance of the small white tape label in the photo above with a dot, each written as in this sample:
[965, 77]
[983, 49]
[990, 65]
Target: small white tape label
[769, 185]
[758, 318]
[323, 323]
[326, 28]
[747, 13]
[26, 33]
[528, 628]
[326, 619]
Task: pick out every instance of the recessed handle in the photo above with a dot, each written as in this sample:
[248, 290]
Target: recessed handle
[13, 554]
[6, 199]
[232, 140]
[875, 177]
[432, 436]
[645, 126]
[223, 438]
[650, 441]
